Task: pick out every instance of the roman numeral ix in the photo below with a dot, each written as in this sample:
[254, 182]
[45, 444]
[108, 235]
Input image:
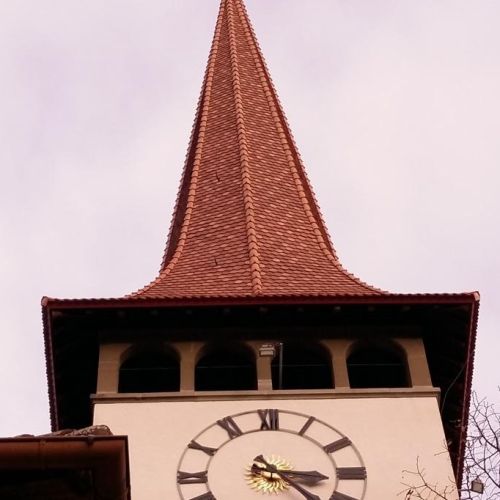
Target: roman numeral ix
[192, 477]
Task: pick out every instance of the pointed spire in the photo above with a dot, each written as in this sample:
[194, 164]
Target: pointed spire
[246, 222]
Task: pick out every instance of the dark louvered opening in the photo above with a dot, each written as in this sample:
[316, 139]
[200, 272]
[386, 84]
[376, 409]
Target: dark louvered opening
[305, 366]
[226, 369]
[150, 372]
[372, 366]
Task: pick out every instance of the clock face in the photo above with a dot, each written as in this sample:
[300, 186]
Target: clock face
[267, 451]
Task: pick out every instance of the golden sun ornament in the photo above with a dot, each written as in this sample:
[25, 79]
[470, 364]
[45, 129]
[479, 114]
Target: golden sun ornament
[265, 481]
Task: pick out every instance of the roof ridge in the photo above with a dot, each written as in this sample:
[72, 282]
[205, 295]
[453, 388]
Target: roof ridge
[284, 133]
[253, 248]
[204, 100]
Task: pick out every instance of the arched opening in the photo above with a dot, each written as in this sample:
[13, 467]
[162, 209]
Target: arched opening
[226, 368]
[150, 370]
[374, 365]
[304, 366]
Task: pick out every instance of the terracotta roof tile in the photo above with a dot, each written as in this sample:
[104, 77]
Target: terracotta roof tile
[246, 222]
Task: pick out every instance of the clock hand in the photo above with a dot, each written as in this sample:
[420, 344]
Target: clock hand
[286, 477]
[308, 476]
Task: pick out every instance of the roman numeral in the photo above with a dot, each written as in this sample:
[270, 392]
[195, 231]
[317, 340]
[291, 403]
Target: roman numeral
[269, 420]
[230, 426]
[351, 473]
[341, 496]
[337, 445]
[306, 426]
[191, 477]
[205, 496]
[205, 449]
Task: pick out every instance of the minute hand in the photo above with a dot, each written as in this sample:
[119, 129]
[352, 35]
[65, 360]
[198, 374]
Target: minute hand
[308, 476]
[271, 468]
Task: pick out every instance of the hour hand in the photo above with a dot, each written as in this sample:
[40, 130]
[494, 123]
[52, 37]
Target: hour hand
[267, 467]
[288, 478]
[308, 476]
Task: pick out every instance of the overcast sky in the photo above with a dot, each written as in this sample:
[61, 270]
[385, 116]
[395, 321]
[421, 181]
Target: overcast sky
[395, 106]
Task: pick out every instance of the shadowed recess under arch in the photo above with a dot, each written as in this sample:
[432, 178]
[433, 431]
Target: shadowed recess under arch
[372, 365]
[226, 368]
[150, 370]
[306, 365]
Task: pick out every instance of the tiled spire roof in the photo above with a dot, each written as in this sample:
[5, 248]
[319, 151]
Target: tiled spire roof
[246, 222]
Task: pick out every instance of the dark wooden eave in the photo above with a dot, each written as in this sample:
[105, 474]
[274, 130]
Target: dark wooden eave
[451, 321]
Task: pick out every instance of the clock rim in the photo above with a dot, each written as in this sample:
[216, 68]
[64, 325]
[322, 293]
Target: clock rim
[296, 433]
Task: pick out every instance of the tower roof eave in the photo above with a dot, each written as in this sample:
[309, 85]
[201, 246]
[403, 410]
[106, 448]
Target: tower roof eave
[243, 300]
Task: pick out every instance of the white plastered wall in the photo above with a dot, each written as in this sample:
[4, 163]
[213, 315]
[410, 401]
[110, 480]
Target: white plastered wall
[390, 434]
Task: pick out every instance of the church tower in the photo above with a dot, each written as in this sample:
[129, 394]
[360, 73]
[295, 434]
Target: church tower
[255, 363]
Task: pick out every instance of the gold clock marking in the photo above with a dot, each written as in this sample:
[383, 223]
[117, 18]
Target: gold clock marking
[265, 481]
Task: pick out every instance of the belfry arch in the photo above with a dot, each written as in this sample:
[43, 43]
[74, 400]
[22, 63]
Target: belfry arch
[305, 365]
[377, 364]
[225, 367]
[152, 368]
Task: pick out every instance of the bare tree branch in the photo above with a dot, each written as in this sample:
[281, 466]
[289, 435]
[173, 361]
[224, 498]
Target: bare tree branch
[482, 456]
[481, 461]
[422, 489]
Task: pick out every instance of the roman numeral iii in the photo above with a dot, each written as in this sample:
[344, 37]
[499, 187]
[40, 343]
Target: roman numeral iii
[351, 473]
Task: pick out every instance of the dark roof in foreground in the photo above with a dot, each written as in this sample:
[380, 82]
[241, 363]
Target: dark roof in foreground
[71, 465]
